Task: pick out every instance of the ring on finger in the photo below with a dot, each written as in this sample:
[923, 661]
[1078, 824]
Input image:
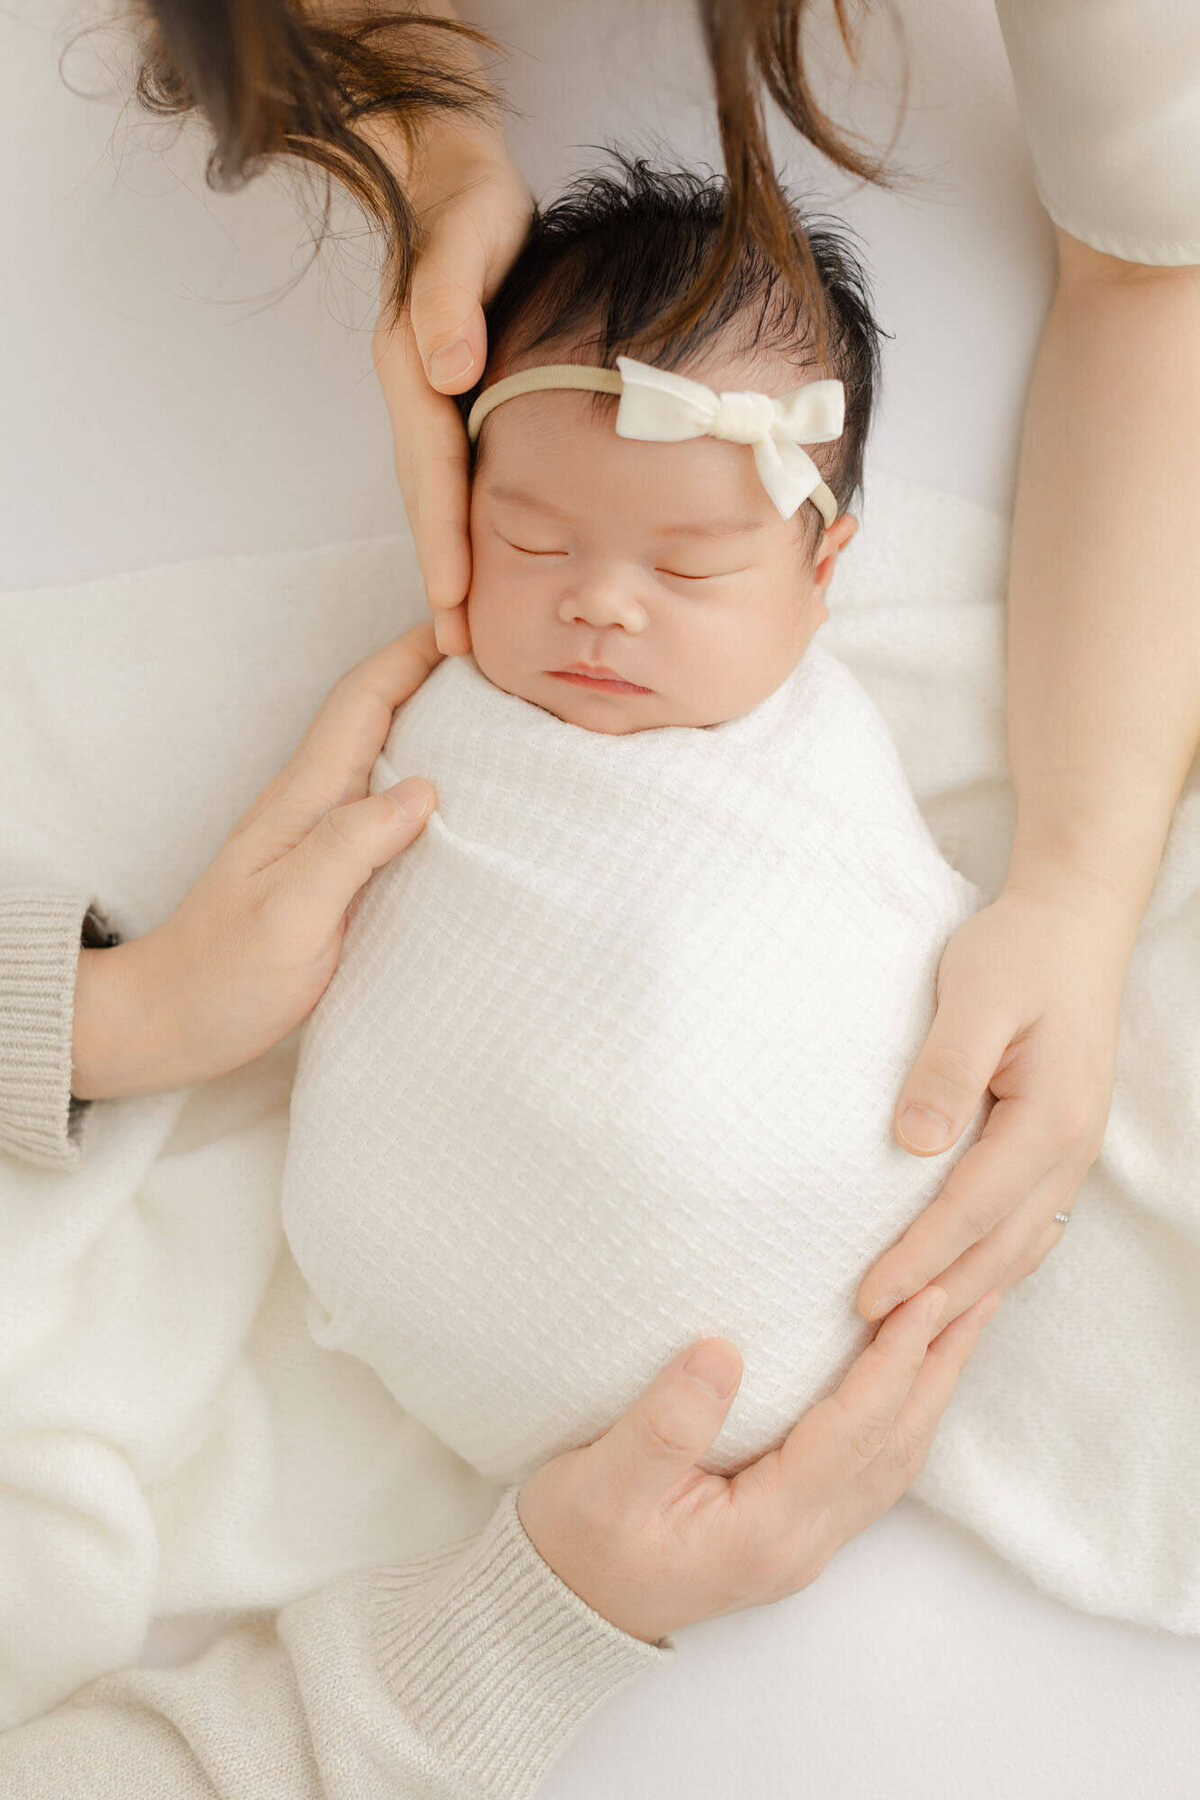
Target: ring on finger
[1008, 1244]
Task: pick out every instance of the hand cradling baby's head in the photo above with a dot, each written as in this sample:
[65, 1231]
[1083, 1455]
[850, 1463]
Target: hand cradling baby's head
[624, 584]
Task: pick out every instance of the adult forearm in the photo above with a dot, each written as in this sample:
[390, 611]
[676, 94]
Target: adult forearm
[1104, 586]
[458, 1673]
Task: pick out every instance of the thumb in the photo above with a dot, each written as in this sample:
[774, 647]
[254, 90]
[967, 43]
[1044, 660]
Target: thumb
[347, 845]
[671, 1423]
[445, 303]
[950, 1076]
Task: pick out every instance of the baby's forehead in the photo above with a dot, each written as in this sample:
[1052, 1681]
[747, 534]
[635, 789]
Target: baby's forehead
[558, 454]
[548, 436]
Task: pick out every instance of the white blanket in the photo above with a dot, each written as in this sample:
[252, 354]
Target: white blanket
[171, 1438]
[610, 1059]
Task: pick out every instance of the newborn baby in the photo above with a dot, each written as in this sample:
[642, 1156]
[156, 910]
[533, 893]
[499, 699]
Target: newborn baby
[610, 1059]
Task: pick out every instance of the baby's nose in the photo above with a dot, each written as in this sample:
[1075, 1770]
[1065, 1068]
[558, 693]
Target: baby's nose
[600, 605]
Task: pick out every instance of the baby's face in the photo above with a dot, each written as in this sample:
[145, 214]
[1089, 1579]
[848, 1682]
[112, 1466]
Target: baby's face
[623, 585]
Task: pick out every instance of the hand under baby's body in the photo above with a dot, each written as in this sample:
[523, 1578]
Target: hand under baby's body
[630, 1521]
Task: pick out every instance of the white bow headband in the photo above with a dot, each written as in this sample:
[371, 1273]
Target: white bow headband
[666, 408]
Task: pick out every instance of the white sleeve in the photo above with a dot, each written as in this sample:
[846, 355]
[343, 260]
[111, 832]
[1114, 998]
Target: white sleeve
[1109, 92]
[456, 1675]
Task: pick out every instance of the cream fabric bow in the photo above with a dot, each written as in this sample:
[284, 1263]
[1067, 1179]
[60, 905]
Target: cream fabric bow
[667, 408]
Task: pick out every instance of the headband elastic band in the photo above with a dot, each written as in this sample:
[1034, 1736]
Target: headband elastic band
[659, 406]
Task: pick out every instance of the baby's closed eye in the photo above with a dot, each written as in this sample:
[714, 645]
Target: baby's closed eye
[526, 550]
[706, 575]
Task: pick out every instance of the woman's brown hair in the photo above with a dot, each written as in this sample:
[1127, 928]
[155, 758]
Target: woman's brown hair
[278, 77]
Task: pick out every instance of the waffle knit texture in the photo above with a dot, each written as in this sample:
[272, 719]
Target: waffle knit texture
[609, 1063]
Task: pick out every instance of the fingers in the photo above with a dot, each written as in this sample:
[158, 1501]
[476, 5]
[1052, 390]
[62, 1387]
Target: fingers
[472, 234]
[1017, 1245]
[444, 302]
[919, 1414]
[334, 759]
[952, 1072]
[432, 463]
[844, 1432]
[1017, 1149]
[323, 873]
[1040, 1248]
[670, 1425]
[453, 631]
[878, 1424]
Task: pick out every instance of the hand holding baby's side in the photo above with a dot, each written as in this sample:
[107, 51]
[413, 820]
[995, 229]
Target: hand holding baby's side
[474, 206]
[1028, 1005]
[251, 947]
[653, 1542]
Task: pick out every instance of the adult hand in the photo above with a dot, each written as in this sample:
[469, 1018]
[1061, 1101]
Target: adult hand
[1028, 1005]
[653, 1542]
[474, 209]
[251, 947]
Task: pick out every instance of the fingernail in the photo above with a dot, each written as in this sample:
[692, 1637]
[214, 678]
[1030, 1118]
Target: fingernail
[451, 361]
[886, 1305]
[922, 1129]
[709, 1365]
[410, 798]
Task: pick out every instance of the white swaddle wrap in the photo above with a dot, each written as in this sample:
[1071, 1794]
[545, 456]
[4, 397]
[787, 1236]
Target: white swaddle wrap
[610, 1060]
[174, 1441]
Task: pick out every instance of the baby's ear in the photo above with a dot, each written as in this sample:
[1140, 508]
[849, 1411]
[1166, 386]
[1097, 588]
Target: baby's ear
[836, 537]
[840, 532]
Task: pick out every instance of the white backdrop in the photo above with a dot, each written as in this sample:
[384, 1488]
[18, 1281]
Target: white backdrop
[159, 407]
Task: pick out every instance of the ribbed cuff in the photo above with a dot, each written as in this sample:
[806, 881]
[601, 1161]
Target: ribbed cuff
[496, 1660]
[40, 938]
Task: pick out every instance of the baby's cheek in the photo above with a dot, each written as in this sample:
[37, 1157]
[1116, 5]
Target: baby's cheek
[485, 615]
[500, 633]
[736, 658]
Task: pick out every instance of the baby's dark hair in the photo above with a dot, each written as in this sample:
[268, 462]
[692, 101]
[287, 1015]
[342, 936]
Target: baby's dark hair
[607, 257]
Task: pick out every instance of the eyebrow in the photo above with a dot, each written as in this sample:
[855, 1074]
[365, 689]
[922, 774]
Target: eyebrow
[710, 528]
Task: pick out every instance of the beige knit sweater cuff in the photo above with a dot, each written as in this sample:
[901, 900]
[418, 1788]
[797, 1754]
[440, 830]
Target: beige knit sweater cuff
[39, 954]
[498, 1661]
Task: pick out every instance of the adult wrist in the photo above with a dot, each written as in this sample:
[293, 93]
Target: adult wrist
[494, 1657]
[123, 1039]
[1055, 873]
